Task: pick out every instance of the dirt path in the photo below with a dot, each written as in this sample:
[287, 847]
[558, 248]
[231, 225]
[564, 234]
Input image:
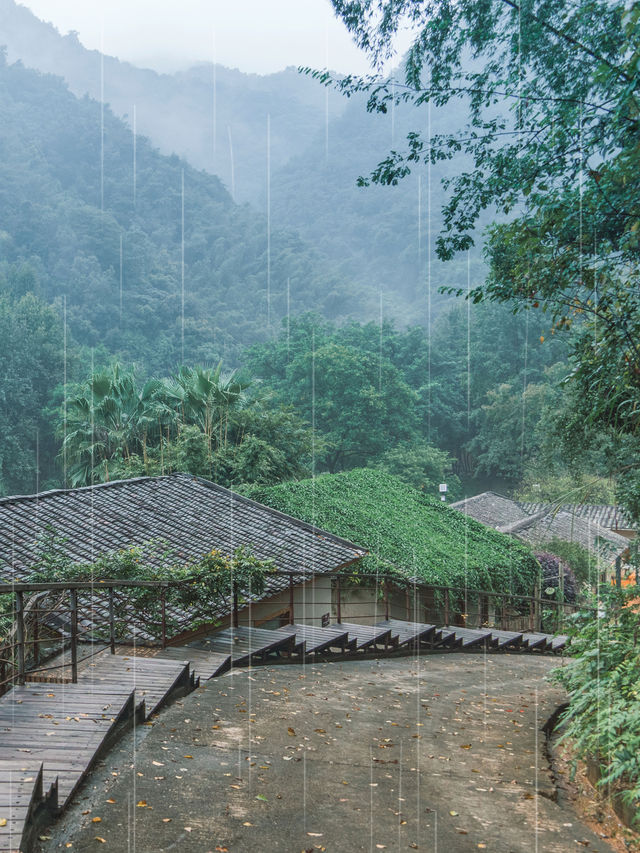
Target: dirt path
[444, 753]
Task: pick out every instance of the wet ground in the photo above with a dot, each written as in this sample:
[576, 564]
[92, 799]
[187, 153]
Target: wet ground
[443, 753]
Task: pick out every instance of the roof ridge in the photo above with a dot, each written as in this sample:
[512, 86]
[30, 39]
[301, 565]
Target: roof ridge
[50, 493]
[481, 495]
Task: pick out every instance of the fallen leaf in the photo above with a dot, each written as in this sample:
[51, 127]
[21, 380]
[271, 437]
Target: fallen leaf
[111, 800]
[262, 797]
[141, 804]
[453, 814]
[96, 820]
[291, 732]
[166, 820]
[246, 823]
[315, 834]
[100, 839]
[3, 821]
[465, 746]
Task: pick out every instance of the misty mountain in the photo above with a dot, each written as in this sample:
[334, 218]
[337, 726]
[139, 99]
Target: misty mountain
[381, 236]
[101, 230]
[319, 143]
[215, 117]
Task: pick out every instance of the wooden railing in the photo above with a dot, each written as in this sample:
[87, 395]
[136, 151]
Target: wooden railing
[69, 617]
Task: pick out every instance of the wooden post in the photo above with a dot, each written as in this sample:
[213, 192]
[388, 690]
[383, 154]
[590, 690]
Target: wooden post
[20, 635]
[503, 615]
[446, 606]
[36, 638]
[561, 594]
[338, 600]
[112, 623]
[407, 606]
[235, 604]
[163, 604]
[386, 600]
[532, 611]
[73, 600]
[291, 619]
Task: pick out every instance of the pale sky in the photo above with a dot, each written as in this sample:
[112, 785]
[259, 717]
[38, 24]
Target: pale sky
[254, 35]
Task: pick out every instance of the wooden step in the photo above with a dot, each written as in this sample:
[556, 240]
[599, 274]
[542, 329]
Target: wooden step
[469, 637]
[367, 636]
[532, 640]
[505, 639]
[319, 640]
[23, 798]
[154, 679]
[38, 725]
[204, 664]
[245, 645]
[409, 633]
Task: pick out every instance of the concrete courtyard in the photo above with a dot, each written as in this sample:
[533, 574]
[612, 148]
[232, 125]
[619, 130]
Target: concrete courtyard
[443, 753]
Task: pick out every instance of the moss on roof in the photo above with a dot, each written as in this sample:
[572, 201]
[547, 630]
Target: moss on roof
[406, 531]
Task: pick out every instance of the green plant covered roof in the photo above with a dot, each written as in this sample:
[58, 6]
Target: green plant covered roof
[406, 531]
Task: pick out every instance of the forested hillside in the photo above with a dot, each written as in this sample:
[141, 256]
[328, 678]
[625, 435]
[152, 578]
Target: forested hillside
[105, 233]
[111, 251]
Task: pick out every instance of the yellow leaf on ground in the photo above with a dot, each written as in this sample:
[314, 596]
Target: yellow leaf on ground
[96, 819]
[291, 732]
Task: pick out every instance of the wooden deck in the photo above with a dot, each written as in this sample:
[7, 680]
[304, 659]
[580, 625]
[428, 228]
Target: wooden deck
[23, 799]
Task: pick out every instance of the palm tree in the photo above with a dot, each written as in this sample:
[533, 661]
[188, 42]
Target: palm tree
[208, 398]
[109, 419]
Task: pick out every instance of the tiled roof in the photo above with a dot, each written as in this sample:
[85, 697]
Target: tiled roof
[612, 517]
[538, 523]
[191, 515]
[491, 509]
[540, 528]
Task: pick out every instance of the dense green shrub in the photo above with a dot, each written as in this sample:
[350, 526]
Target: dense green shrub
[603, 681]
[407, 531]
